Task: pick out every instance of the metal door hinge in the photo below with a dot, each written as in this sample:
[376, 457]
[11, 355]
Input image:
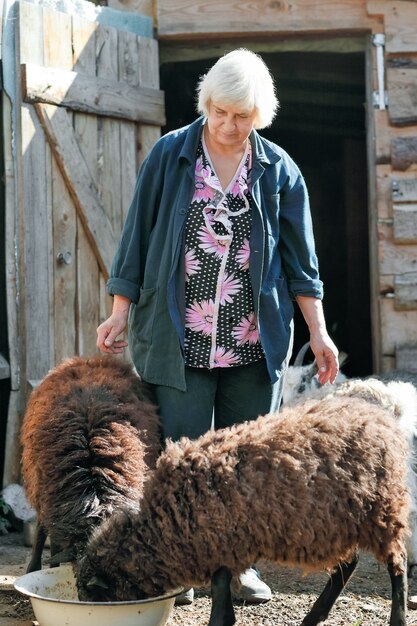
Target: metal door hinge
[380, 97]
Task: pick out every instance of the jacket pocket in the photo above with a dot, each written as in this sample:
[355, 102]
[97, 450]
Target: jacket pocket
[142, 317]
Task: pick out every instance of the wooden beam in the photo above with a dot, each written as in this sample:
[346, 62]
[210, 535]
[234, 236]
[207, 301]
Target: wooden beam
[81, 186]
[406, 358]
[404, 190]
[405, 223]
[101, 96]
[189, 19]
[405, 289]
[402, 90]
[403, 152]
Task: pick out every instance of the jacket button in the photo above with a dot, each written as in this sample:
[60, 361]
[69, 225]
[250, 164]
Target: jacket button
[182, 211]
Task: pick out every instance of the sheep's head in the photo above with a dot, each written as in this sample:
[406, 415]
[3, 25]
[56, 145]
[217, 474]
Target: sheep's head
[300, 379]
[113, 567]
[96, 584]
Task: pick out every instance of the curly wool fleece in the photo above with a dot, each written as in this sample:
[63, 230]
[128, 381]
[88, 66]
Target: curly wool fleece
[305, 487]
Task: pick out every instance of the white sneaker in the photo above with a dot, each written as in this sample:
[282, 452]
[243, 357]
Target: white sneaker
[185, 598]
[250, 588]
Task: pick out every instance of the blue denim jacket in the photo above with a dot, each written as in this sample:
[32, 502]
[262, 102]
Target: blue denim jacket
[148, 266]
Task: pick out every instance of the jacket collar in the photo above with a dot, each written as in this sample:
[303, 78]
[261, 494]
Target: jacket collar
[192, 138]
[263, 150]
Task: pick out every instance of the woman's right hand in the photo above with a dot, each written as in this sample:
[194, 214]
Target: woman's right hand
[112, 327]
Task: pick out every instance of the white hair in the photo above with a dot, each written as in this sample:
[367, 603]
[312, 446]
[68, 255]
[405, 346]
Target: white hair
[240, 78]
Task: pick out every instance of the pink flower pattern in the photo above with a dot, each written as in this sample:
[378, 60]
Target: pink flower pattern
[243, 255]
[199, 316]
[229, 287]
[220, 324]
[247, 330]
[211, 244]
[225, 358]
[192, 264]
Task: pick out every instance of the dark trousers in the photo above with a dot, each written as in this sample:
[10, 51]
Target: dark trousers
[222, 396]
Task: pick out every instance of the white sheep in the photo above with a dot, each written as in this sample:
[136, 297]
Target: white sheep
[300, 378]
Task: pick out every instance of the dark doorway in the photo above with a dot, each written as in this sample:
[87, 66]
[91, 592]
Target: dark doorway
[321, 123]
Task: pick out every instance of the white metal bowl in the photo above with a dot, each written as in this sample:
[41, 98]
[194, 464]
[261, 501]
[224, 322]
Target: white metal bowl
[53, 595]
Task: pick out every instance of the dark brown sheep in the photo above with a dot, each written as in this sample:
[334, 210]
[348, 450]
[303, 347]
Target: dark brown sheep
[308, 487]
[90, 435]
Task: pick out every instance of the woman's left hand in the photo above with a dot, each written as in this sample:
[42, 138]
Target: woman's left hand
[326, 355]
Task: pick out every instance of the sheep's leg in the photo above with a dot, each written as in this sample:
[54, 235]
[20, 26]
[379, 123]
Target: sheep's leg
[322, 606]
[399, 596]
[222, 613]
[35, 562]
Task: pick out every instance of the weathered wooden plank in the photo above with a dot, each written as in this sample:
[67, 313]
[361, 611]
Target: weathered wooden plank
[142, 7]
[81, 187]
[129, 71]
[406, 358]
[394, 259]
[385, 133]
[383, 191]
[405, 223]
[110, 156]
[404, 152]
[149, 76]
[38, 246]
[106, 97]
[405, 289]
[398, 328]
[372, 212]
[31, 26]
[402, 93]
[404, 190]
[191, 18]
[37, 211]
[14, 329]
[58, 54]
[400, 17]
[85, 131]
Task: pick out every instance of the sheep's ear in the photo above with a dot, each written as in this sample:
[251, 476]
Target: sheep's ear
[96, 581]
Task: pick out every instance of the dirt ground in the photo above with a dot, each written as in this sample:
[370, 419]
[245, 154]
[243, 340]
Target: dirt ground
[365, 602]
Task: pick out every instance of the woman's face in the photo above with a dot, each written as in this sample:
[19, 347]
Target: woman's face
[228, 125]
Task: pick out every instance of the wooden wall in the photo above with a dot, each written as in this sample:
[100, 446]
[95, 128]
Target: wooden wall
[396, 186]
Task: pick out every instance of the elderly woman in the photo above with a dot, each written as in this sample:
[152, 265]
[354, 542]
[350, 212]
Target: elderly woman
[217, 245]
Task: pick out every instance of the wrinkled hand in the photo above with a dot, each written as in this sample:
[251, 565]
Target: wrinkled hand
[326, 355]
[108, 332]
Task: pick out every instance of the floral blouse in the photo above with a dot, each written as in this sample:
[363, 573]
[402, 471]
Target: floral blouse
[221, 328]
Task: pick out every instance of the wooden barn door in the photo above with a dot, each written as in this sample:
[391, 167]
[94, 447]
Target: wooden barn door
[90, 110]
[393, 164]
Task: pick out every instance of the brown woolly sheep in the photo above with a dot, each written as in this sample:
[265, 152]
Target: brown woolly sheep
[308, 487]
[90, 435]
